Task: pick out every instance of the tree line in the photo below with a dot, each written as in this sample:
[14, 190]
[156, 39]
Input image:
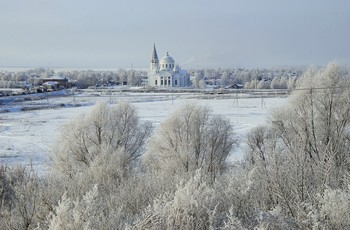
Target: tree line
[274, 78]
[112, 171]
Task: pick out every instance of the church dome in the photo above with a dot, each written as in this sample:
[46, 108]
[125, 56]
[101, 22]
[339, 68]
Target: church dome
[167, 63]
[167, 59]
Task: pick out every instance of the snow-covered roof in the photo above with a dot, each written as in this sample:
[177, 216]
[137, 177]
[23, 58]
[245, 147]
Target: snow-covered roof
[177, 68]
[55, 77]
[167, 60]
[50, 83]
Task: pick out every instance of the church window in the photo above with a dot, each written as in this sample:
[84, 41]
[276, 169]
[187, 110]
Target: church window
[168, 82]
[161, 82]
[155, 82]
[175, 82]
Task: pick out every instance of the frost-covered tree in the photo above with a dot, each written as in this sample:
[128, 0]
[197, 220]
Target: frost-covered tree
[225, 79]
[19, 195]
[114, 131]
[247, 85]
[291, 83]
[190, 139]
[198, 76]
[305, 148]
[275, 83]
[283, 82]
[320, 119]
[263, 85]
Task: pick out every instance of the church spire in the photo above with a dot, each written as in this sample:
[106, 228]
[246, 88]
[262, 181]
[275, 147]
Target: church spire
[154, 59]
[154, 53]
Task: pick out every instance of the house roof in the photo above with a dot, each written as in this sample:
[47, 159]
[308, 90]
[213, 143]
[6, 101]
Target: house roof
[51, 83]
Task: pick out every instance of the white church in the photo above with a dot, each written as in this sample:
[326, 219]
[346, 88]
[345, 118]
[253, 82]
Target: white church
[165, 73]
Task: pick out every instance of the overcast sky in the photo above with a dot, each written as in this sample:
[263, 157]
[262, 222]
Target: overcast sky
[196, 33]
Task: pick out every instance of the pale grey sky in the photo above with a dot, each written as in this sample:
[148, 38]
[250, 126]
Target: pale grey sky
[196, 33]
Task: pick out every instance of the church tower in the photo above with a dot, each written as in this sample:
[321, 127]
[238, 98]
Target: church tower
[154, 66]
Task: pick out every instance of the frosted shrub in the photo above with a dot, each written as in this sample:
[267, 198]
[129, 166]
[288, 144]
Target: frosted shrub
[330, 211]
[274, 219]
[335, 208]
[7, 177]
[192, 206]
[20, 191]
[236, 191]
[232, 221]
[80, 214]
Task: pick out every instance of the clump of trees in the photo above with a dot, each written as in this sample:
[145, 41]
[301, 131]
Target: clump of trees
[112, 171]
[81, 78]
[272, 78]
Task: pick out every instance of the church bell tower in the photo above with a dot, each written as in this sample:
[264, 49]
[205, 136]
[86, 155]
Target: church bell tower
[154, 65]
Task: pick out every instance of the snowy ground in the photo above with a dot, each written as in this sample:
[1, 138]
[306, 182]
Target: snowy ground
[27, 136]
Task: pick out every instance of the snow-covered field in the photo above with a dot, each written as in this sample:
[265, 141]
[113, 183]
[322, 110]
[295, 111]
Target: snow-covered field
[28, 136]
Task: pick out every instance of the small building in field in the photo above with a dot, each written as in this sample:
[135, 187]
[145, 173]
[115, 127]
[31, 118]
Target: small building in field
[60, 82]
[235, 86]
[51, 86]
